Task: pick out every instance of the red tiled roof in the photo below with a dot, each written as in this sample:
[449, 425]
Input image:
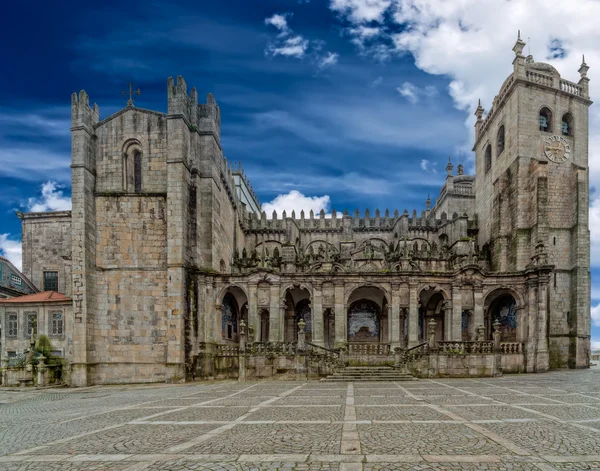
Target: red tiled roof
[45, 297]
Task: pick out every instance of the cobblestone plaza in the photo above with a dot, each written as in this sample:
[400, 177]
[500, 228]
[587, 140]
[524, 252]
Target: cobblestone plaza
[525, 422]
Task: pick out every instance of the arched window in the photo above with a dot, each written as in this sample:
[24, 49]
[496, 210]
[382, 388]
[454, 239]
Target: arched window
[567, 125]
[229, 317]
[545, 120]
[137, 171]
[500, 141]
[488, 158]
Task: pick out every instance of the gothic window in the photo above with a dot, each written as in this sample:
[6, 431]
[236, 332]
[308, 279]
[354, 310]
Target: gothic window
[12, 325]
[545, 120]
[500, 141]
[50, 281]
[31, 323]
[567, 125]
[488, 158]
[229, 317]
[137, 171]
[56, 323]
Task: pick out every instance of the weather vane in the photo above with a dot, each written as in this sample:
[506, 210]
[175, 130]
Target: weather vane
[131, 92]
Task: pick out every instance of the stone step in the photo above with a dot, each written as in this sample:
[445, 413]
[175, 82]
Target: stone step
[329, 379]
[368, 373]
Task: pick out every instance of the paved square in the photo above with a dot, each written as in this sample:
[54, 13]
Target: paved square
[527, 422]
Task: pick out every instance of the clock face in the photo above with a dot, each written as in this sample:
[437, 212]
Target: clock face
[557, 149]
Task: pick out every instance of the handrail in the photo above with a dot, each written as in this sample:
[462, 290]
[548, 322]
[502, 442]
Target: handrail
[335, 351]
[416, 346]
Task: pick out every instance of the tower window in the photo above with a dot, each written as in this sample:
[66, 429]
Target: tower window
[50, 281]
[567, 125]
[500, 141]
[488, 158]
[137, 171]
[545, 120]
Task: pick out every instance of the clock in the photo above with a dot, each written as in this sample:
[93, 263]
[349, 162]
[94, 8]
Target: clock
[557, 149]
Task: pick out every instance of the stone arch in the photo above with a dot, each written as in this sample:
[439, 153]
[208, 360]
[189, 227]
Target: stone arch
[132, 153]
[233, 303]
[231, 286]
[355, 289]
[500, 140]
[367, 314]
[296, 299]
[487, 159]
[432, 305]
[505, 305]
[567, 125]
[545, 118]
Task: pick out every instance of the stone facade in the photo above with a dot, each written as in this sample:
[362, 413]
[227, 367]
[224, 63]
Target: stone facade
[13, 282]
[169, 251]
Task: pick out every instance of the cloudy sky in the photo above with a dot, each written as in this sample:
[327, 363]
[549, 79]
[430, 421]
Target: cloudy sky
[334, 104]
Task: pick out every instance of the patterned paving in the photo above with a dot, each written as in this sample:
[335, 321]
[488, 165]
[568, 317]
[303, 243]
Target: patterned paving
[526, 422]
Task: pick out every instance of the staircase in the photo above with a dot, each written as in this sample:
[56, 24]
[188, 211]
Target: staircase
[368, 373]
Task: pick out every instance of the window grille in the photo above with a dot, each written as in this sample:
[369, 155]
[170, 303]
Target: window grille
[50, 281]
[12, 325]
[56, 319]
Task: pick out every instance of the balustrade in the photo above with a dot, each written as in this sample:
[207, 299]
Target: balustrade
[368, 349]
[571, 87]
[512, 347]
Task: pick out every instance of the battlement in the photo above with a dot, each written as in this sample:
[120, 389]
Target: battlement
[81, 112]
[334, 221]
[204, 117]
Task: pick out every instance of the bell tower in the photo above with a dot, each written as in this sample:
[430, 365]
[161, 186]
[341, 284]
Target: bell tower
[532, 194]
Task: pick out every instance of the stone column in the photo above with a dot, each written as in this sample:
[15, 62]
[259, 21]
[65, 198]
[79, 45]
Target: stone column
[42, 377]
[317, 316]
[456, 334]
[4, 372]
[477, 310]
[395, 318]
[431, 333]
[301, 336]
[413, 316]
[276, 314]
[542, 360]
[253, 320]
[341, 330]
[242, 352]
[532, 330]
[447, 307]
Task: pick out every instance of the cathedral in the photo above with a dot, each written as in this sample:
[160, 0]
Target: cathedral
[167, 257]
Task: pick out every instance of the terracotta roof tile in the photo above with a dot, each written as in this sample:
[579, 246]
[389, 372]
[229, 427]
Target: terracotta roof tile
[45, 297]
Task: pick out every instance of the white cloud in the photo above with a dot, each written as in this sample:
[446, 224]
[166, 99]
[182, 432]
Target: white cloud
[52, 199]
[279, 21]
[413, 93]
[11, 250]
[328, 60]
[428, 166]
[295, 46]
[33, 163]
[378, 81]
[361, 11]
[595, 345]
[408, 91]
[424, 164]
[596, 314]
[296, 201]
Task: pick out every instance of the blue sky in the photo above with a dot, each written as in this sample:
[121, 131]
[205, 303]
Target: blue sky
[352, 103]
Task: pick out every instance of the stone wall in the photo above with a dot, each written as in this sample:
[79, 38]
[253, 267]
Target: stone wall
[47, 247]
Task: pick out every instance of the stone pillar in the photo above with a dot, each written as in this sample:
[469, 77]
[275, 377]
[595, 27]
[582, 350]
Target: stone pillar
[395, 318]
[341, 318]
[477, 310]
[496, 335]
[447, 307]
[318, 326]
[253, 320]
[532, 331]
[456, 334]
[542, 360]
[431, 333]
[4, 372]
[42, 372]
[242, 352]
[413, 316]
[480, 333]
[301, 336]
[276, 314]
